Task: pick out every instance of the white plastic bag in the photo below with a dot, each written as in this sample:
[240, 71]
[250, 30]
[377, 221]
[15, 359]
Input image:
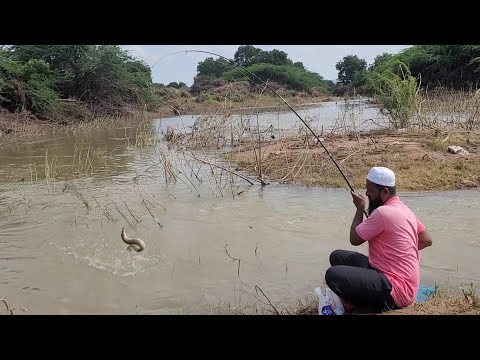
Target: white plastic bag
[330, 303]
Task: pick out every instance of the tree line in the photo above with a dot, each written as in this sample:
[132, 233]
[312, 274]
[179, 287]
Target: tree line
[38, 77]
[455, 67]
[451, 66]
[274, 65]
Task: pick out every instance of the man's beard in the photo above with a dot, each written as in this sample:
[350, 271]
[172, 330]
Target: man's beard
[373, 204]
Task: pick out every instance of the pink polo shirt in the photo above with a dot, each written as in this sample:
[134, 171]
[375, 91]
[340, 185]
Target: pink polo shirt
[392, 234]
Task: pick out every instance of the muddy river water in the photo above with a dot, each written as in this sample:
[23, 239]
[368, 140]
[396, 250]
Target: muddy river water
[65, 198]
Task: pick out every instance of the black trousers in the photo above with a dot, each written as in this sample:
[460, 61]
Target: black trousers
[353, 279]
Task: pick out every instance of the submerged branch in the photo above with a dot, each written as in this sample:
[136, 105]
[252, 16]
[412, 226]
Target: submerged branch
[223, 168]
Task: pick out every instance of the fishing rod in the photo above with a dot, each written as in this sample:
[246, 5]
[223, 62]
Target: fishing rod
[232, 62]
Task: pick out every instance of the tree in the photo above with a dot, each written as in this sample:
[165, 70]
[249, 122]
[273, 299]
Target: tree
[299, 65]
[114, 77]
[348, 67]
[247, 55]
[213, 68]
[452, 66]
[69, 62]
[275, 57]
[34, 77]
[26, 86]
[380, 60]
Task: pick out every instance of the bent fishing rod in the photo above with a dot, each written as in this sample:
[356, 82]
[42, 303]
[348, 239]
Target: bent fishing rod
[232, 62]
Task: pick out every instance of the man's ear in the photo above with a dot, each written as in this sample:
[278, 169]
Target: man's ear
[385, 192]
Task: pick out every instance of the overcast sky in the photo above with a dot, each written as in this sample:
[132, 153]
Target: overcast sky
[317, 58]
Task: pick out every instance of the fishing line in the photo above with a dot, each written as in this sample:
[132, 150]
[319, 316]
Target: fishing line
[232, 62]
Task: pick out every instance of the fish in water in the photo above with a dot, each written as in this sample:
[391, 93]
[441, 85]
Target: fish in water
[135, 243]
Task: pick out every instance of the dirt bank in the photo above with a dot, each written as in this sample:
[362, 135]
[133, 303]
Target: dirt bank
[420, 159]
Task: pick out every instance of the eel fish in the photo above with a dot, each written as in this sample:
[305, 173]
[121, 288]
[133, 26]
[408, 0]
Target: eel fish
[135, 243]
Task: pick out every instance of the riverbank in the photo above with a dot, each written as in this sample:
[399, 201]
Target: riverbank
[76, 113]
[419, 158]
[444, 301]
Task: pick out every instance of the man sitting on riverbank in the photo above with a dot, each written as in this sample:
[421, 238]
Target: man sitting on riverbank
[389, 277]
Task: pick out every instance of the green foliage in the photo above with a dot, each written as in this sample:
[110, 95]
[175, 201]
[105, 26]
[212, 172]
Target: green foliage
[456, 66]
[70, 63]
[247, 55]
[275, 57]
[176, 85]
[213, 68]
[348, 67]
[359, 78]
[291, 76]
[30, 85]
[380, 60]
[452, 66]
[271, 65]
[114, 77]
[299, 65]
[396, 79]
[40, 93]
[34, 76]
[398, 94]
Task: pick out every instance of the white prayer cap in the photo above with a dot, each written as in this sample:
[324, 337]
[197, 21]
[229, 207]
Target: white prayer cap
[381, 176]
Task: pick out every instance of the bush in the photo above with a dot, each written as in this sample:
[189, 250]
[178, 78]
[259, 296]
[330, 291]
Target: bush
[398, 94]
[290, 76]
[33, 77]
